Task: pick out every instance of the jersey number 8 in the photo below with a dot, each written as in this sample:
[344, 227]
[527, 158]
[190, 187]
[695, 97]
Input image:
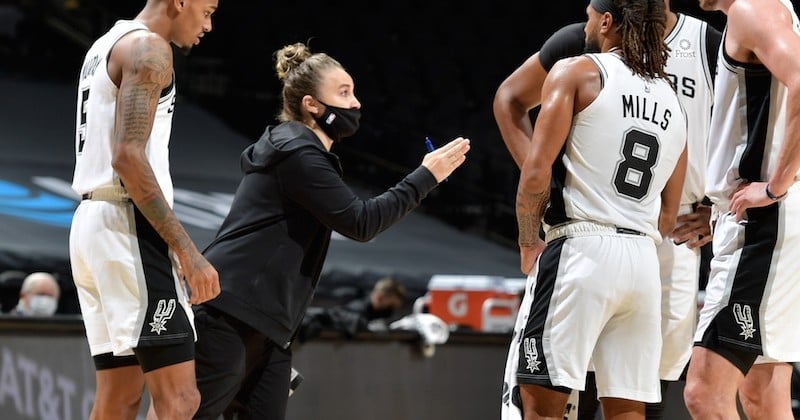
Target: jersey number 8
[635, 171]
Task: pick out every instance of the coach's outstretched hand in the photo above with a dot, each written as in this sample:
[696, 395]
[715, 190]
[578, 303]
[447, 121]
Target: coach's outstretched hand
[443, 161]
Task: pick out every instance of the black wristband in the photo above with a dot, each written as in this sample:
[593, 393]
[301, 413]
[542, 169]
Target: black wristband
[772, 196]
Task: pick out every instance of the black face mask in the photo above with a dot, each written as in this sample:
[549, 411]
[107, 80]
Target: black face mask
[338, 123]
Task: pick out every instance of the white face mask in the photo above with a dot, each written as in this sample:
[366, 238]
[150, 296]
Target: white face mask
[41, 305]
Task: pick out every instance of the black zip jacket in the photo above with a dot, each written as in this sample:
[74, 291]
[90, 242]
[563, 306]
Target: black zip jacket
[270, 249]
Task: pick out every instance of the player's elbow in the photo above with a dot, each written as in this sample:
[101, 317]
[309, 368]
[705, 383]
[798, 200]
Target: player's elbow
[124, 159]
[501, 101]
[507, 101]
[535, 178]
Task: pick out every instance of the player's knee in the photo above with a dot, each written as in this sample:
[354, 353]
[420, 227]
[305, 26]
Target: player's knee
[192, 399]
[118, 403]
[120, 396]
[179, 403]
[749, 396]
[752, 409]
[694, 398]
[189, 401]
[755, 403]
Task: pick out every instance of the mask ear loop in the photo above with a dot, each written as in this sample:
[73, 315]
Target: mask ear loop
[308, 102]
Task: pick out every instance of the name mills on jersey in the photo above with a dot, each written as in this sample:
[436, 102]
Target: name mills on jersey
[634, 106]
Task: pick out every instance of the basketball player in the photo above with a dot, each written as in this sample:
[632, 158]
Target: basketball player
[690, 67]
[611, 133]
[754, 158]
[138, 320]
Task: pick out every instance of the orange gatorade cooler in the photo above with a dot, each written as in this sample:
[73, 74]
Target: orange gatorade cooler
[481, 303]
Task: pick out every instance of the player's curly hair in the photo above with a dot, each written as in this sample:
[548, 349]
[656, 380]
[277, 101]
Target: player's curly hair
[301, 74]
[642, 30]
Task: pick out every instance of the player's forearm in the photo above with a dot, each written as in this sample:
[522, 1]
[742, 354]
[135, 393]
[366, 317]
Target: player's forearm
[533, 195]
[666, 222]
[788, 162]
[671, 196]
[515, 126]
[530, 209]
[139, 180]
[668, 216]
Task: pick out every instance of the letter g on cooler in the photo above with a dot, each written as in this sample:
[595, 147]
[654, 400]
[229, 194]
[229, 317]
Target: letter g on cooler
[457, 305]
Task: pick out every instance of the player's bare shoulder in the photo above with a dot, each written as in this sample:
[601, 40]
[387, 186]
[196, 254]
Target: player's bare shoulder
[570, 65]
[757, 25]
[142, 55]
[752, 21]
[577, 76]
[754, 10]
[573, 71]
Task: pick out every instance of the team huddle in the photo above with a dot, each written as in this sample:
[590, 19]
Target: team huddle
[653, 128]
[656, 135]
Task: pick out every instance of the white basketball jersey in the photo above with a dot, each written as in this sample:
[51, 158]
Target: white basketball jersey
[688, 70]
[747, 126]
[620, 153]
[95, 120]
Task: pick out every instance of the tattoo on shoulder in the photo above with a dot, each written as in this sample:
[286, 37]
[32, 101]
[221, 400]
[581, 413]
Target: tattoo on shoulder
[152, 57]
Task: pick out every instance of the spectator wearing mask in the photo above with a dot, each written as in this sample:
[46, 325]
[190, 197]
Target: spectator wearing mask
[38, 296]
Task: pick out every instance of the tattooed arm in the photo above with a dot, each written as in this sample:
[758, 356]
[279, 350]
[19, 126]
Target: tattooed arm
[530, 209]
[560, 100]
[141, 65]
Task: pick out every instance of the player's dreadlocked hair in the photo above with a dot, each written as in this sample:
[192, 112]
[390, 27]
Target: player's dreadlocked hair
[642, 30]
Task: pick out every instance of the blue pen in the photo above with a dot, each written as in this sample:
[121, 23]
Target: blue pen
[429, 146]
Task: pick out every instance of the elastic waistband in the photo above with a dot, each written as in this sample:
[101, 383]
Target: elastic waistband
[108, 193]
[686, 209]
[586, 228]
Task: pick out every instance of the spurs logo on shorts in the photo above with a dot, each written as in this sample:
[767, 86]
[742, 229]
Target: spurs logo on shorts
[163, 313]
[531, 354]
[744, 317]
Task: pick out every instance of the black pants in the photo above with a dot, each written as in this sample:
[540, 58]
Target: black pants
[239, 370]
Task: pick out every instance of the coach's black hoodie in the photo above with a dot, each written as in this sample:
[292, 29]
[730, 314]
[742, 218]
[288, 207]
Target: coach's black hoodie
[270, 249]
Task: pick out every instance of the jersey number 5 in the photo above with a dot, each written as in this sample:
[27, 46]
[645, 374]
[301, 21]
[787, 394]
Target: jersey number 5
[635, 171]
[82, 127]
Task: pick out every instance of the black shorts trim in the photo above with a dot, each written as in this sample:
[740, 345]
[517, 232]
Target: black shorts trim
[106, 361]
[743, 360]
[545, 382]
[156, 357]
